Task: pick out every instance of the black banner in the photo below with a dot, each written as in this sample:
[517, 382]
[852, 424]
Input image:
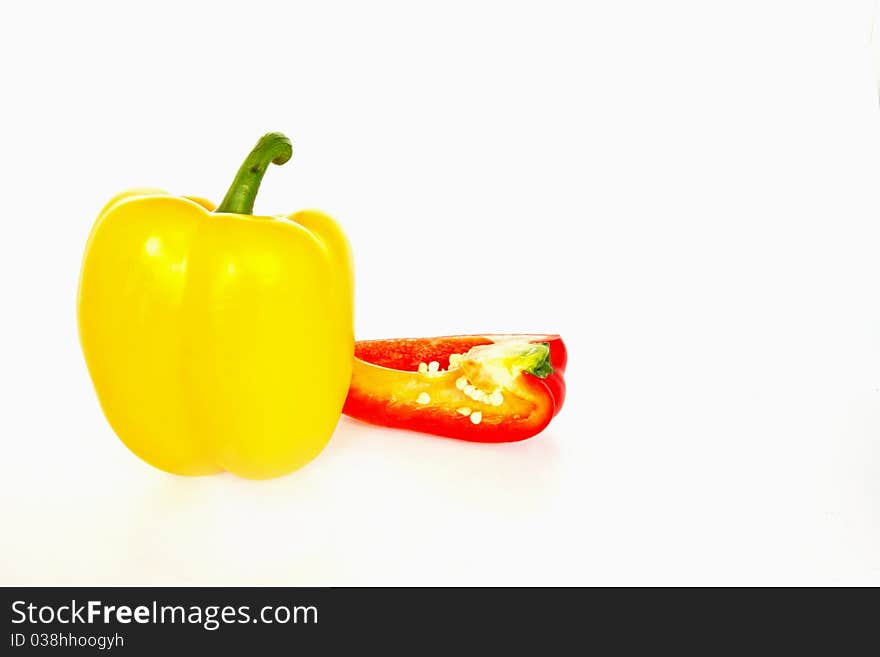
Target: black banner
[258, 620]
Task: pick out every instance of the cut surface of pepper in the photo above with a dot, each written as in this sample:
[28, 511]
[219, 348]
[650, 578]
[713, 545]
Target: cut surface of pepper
[480, 388]
[218, 340]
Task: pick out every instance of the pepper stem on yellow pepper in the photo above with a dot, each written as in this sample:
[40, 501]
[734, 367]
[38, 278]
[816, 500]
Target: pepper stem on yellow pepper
[274, 148]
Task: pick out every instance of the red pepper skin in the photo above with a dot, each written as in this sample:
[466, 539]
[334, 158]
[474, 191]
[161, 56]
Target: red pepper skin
[385, 384]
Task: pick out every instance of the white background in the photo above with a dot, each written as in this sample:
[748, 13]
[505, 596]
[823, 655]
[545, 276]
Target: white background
[689, 192]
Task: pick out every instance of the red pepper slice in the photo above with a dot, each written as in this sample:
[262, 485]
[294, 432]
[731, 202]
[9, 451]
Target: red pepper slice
[481, 388]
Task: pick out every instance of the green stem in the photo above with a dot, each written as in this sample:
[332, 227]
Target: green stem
[273, 147]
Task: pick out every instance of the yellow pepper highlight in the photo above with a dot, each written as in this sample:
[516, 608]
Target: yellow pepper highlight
[218, 340]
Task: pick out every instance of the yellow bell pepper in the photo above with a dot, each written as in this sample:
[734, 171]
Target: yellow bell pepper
[217, 340]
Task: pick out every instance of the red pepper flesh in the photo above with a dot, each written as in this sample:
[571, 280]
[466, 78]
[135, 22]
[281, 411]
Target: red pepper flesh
[481, 388]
